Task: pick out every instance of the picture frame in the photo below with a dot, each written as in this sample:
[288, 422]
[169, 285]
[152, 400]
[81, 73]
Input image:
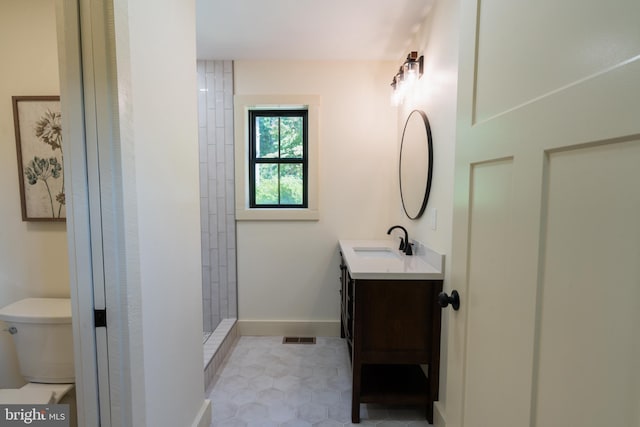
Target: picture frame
[38, 132]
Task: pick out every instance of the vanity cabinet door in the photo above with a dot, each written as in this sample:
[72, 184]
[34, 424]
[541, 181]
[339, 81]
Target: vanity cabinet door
[397, 321]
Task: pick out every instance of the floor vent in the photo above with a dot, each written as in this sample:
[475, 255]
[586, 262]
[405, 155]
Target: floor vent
[299, 340]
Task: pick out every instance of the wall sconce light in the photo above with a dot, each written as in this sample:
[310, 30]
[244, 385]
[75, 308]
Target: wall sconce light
[408, 73]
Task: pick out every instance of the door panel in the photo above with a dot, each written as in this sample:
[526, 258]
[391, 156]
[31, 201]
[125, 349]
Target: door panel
[590, 305]
[527, 50]
[546, 240]
[498, 352]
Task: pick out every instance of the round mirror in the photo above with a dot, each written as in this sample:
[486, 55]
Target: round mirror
[416, 154]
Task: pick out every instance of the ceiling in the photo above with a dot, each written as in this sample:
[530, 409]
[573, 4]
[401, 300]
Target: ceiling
[308, 29]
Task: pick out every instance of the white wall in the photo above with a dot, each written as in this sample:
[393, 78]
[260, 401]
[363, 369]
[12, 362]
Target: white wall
[288, 270]
[33, 256]
[436, 95]
[156, 68]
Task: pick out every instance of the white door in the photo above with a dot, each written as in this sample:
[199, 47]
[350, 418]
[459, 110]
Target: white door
[84, 263]
[83, 52]
[546, 247]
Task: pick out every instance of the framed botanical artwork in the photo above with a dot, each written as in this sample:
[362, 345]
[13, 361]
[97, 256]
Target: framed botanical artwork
[37, 122]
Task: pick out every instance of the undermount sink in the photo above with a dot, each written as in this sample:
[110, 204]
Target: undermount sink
[373, 252]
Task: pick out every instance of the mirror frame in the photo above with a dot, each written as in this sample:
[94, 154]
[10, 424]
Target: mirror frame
[429, 142]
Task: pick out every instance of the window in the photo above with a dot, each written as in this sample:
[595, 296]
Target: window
[278, 158]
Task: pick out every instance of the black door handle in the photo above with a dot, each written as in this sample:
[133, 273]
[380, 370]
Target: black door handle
[444, 300]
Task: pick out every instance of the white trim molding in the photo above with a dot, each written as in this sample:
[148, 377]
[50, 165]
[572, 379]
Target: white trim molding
[321, 328]
[439, 419]
[203, 418]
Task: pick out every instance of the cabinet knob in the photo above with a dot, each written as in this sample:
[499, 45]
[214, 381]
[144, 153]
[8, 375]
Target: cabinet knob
[444, 300]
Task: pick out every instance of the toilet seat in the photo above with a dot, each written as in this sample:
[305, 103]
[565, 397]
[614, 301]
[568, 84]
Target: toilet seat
[35, 394]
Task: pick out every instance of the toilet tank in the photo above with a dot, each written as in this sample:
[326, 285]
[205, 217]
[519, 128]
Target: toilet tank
[41, 330]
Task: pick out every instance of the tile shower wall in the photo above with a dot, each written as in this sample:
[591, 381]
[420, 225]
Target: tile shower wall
[215, 121]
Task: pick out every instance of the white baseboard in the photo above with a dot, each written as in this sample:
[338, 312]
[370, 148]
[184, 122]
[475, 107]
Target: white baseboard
[438, 415]
[203, 418]
[289, 328]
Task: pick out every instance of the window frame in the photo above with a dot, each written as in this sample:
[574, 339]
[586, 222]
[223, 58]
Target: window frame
[242, 104]
[254, 160]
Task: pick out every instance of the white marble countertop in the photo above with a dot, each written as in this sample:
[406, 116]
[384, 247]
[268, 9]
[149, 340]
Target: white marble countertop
[381, 259]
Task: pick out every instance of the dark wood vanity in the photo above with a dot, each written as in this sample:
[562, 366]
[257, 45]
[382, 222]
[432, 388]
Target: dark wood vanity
[391, 327]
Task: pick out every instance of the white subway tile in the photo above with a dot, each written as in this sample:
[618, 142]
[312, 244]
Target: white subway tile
[215, 272]
[202, 105]
[213, 242]
[201, 66]
[219, 114]
[202, 144]
[231, 233]
[210, 82]
[206, 258]
[214, 190]
[215, 135]
[206, 287]
[228, 125]
[220, 182]
[204, 216]
[213, 193]
[219, 73]
[211, 127]
[221, 211]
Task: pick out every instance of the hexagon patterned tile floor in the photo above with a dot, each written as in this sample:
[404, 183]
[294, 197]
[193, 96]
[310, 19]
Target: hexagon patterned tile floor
[265, 383]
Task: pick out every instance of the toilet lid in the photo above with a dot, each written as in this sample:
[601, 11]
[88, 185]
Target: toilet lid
[17, 396]
[34, 394]
[38, 310]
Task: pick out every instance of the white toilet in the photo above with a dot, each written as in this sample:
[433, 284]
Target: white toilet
[41, 331]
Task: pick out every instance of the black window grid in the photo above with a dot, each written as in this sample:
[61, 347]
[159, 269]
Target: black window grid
[255, 160]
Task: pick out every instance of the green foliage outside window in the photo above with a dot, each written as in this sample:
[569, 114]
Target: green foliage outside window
[279, 137]
[290, 180]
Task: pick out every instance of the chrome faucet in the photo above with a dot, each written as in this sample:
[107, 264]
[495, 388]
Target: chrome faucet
[405, 246]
